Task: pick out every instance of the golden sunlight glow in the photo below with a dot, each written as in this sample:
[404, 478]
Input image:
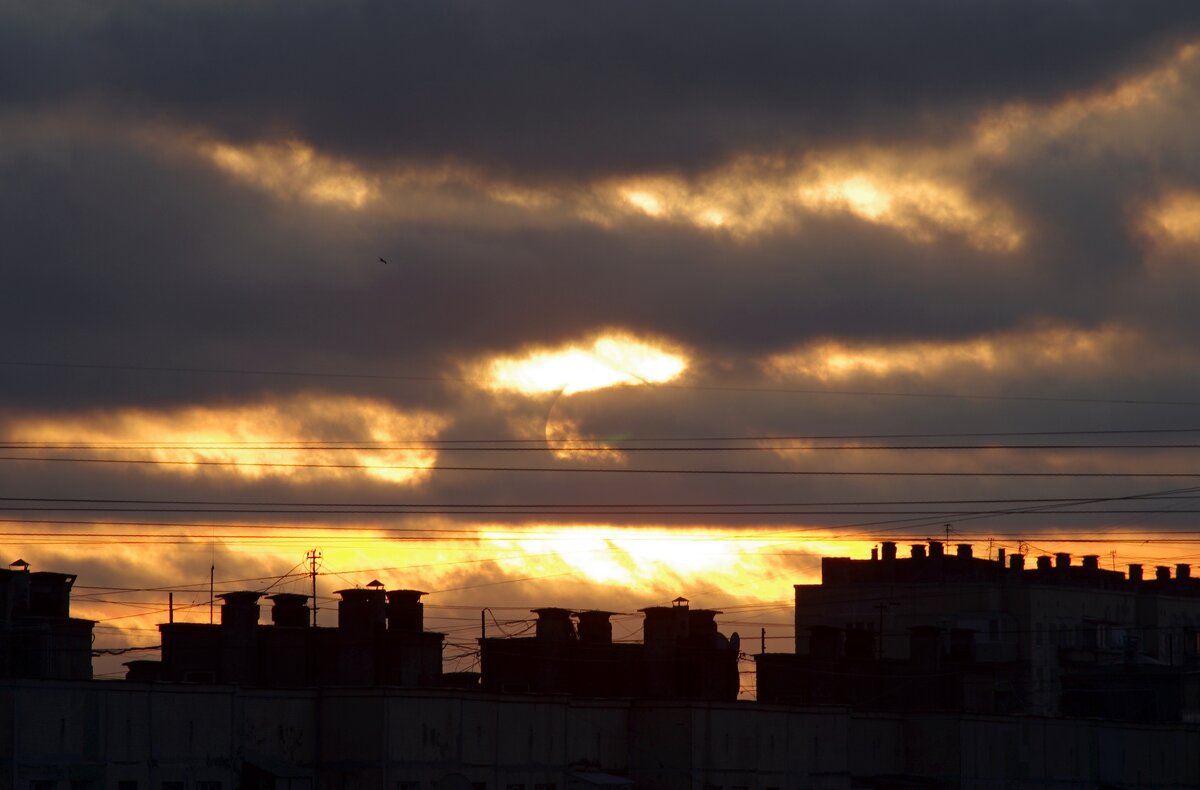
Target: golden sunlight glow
[1047, 346]
[279, 435]
[644, 201]
[754, 196]
[1174, 219]
[612, 359]
[294, 170]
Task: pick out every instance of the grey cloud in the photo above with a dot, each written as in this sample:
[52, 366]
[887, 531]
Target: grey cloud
[544, 89]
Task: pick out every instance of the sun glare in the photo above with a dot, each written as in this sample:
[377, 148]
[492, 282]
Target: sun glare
[610, 360]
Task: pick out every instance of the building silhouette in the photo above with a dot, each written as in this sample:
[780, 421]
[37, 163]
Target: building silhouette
[955, 632]
[947, 702]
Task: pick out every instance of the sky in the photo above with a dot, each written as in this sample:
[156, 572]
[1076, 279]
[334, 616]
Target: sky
[589, 305]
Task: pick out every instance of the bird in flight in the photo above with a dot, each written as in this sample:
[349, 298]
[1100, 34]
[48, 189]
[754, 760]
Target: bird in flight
[381, 260]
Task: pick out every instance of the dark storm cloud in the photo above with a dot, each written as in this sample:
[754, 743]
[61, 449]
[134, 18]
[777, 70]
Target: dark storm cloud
[544, 88]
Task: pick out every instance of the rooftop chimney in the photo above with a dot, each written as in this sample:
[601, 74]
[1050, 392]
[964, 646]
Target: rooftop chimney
[963, 551]
[1062, 560]
[1091, 562]
[239, 637]
[936, 549]
[1162, 572]
[1000, 557]
[595, 628]
[664, 625]
[239, 608]
[405, 612]
[1016, 562]
[1043, 563]
[50, 593]
[359, 608]
[289, 610]
[918, 551]
[1135, 572]
[1183, 571]
[701, 623]
[554, 624]
[889, 550]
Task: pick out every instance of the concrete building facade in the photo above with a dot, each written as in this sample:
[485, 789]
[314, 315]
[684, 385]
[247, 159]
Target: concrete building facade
[111, 735]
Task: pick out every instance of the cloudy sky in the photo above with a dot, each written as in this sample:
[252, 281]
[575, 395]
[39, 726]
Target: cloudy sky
[590, 304]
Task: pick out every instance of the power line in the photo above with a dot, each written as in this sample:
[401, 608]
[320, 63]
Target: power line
[586, 446]
[629, 439]
[374, 507]
[600, 470]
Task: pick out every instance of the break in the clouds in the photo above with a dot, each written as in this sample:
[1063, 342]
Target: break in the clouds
[358, 262]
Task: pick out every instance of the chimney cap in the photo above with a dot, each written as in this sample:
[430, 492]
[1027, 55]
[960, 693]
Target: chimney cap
[405, 595]
[287, 597]
[357, 593]
[680, 602]
[240, 597]
[22, 564]
[375, 584]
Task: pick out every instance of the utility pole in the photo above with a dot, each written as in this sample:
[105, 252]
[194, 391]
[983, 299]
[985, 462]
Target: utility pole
[212, 575]
[313, 556]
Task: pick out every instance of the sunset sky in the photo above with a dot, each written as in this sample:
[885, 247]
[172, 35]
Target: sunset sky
[678, 296]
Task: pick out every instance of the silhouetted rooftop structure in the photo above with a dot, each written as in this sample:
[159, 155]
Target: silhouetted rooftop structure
[956, 632]
[38, 637]
[682, 656]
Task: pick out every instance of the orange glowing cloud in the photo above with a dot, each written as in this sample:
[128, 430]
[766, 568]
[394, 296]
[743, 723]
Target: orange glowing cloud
[916, 196]
[281, 438]
[1174, 218]
[1046, 346]
[293, 169]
